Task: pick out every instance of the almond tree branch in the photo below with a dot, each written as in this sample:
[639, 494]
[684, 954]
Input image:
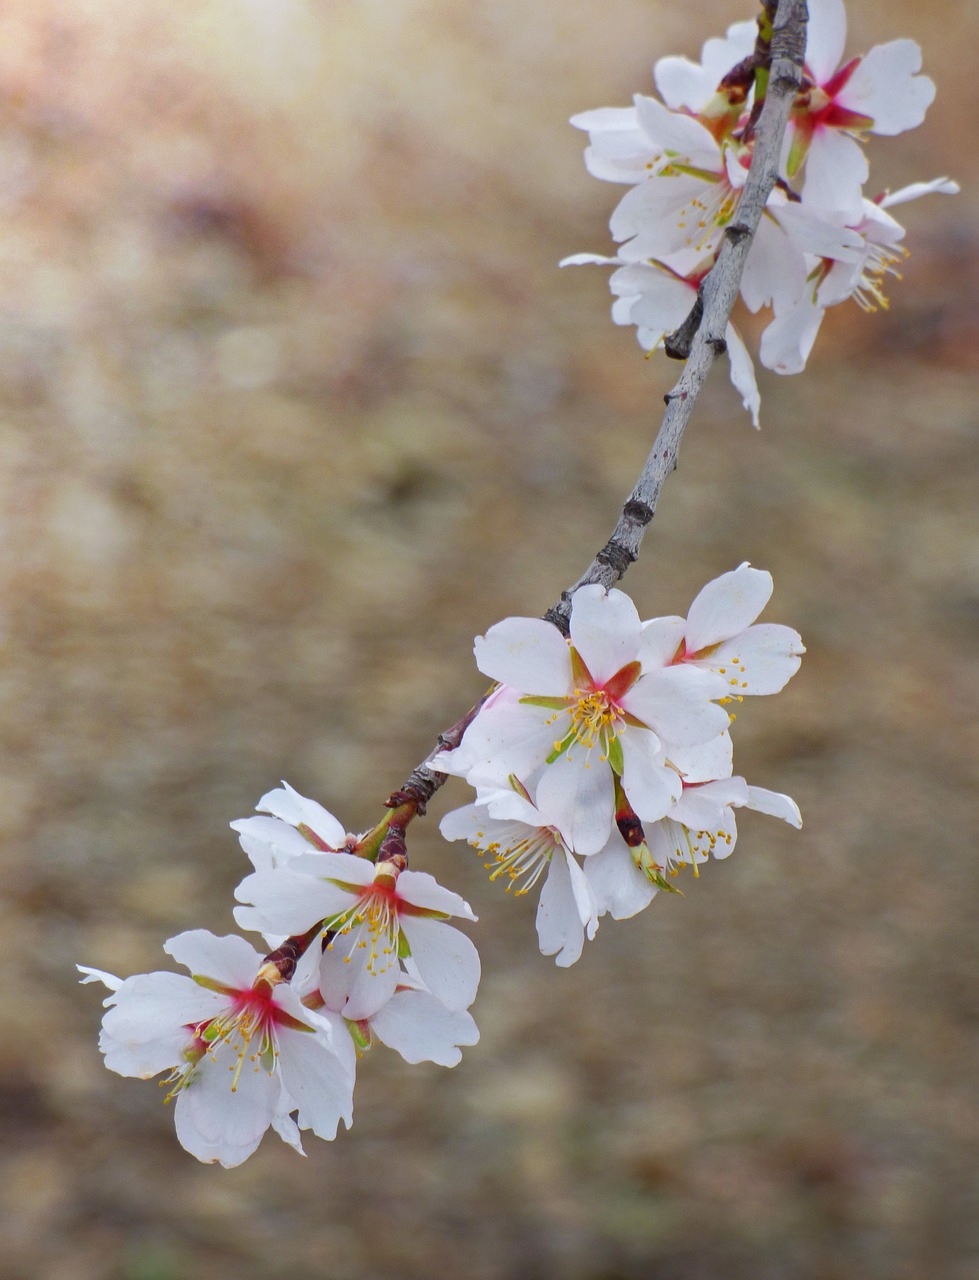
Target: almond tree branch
[720, 290]
[702, 334]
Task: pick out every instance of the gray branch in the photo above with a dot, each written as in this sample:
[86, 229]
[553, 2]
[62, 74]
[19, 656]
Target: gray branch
[714, 302]
[720, 290]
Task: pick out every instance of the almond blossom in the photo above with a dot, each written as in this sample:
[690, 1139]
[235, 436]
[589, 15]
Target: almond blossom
[373, 916]
[834, 277]
[880, 93]
[526, 847]
[242, 1049]
[295, 825]
[657, 299]
[700, 826]
[719, 635]
[590, 709]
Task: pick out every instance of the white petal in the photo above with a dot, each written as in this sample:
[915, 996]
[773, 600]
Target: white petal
[445, 959]
[942, 186]
[661, 638]
[528, 654]
[269, 842]
[417, 1026]
[742, 373]
[704, 762]
[322, 1086]
[208, 1150]
[652, 788]
[722, 54]
[776, 804]
[725, 606]
[672, 131]
[885, 87]
[567, 908]
[229, 960]
[354, 982]
[682, 83]
[419, 889]
[836, 169]
[762, 660]
[619, 886]
[825, 38]
[605, 630]
[226, 1109]
[775, 272]
[703, 808]
[675, 703]
[99, 975]
[787, 341]
[578, 795]
[290, 903]
[287, 804]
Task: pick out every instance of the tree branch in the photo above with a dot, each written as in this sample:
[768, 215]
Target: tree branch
[702, 333]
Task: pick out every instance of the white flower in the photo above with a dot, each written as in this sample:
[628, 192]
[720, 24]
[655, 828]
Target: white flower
[296, 825]
[589, 709]
[374, 914]
[242, 1053]
[836, 275]
[877, 93]
[524, 847]
[657, 300]
[700, 826]
[717, 635]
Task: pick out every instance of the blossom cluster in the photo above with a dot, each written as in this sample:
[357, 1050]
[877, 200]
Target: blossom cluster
[685, 156]
[603, 762]
[361, 952]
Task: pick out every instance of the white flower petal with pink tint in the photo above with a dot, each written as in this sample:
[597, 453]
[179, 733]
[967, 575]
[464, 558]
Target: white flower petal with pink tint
[886, 87]
[605, 630]
[836, 170]
[775, 804]
[825, 38]
[677, 707]
[242, 1053]
[578, 787]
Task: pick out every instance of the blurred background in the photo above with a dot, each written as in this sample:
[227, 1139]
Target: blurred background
[294, 403]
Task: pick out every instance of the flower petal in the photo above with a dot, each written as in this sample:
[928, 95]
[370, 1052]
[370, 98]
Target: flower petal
[286, 803]
[528, 654]
[445, 960]
[885, 87]
[620, 888]
[229, 960]
[825, 38]
[726, 606]
[605, 630]
[761, 660]
[677, 707]
[421, 1029]
[419, 889]
[776, 804]
[566, 909]
[578, 795]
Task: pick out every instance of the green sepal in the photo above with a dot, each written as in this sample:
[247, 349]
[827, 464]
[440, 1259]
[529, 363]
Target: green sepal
[404, 950]
[614, 752]
[552, 704]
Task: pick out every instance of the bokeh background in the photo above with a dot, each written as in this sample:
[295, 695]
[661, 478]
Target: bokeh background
[294, 403]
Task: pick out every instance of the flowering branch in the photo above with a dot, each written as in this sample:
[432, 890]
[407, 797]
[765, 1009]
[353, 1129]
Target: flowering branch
[709, 316]
[601, 755]
[784, 54]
